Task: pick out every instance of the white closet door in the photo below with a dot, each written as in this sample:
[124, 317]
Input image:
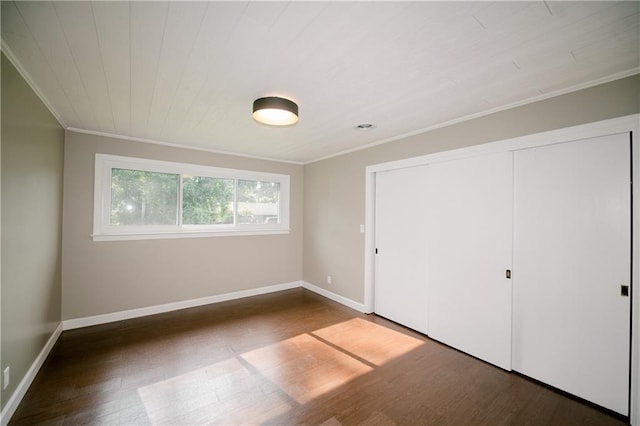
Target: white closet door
[469, 249]
[572, 255]
[400, 292]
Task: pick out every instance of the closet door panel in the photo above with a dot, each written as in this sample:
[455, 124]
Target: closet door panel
[469, 249]
[572, 255]
[400, 292]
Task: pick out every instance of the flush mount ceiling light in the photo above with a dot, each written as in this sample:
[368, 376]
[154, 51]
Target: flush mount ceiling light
[275, 111]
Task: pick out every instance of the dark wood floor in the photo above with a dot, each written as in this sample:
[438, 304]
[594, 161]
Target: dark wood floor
[285, 358]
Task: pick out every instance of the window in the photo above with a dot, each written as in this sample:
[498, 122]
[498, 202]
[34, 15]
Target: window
[137, 198]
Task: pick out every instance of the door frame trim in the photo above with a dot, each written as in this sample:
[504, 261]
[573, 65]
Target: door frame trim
[630, 123]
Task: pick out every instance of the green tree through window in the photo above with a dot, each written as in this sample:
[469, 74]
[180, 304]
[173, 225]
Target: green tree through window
[207, 200]
[143, 198]
[138, 198]
[258, 201]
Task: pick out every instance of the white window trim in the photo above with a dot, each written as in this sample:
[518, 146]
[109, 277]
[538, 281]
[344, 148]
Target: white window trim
[104, 231]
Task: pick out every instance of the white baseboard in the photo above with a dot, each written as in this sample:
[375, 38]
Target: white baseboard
[23, 386]
[333, 296]
[168, 307]
[174, 306]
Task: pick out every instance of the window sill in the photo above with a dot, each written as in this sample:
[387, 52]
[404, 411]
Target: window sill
[186, 234]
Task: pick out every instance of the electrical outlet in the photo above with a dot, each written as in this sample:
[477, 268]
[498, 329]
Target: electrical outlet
[328, 279]
[6, 375]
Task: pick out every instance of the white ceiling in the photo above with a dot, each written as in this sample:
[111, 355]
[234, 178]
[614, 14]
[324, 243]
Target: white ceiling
[188, 72]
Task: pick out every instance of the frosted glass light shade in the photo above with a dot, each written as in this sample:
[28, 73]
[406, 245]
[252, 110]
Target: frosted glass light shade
[275, 111]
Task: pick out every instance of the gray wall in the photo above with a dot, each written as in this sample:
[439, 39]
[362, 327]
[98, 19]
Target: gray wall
[334, 189]
[111, 276]
[32, 171]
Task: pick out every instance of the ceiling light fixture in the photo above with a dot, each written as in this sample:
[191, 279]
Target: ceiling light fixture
[275, 111]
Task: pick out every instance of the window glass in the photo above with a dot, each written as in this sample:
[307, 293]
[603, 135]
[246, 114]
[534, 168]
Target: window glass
[143, 198]
[258, 202]
[138, 198]
[207, 200]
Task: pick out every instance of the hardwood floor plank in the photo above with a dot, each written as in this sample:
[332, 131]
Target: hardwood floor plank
[291, 357]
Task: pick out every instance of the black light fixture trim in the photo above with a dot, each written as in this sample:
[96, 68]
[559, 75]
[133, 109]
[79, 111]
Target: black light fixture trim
[275, 103]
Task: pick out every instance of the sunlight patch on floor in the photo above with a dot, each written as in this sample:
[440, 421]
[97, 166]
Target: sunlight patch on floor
[371, 342]
[305, 367]
[264, 383]
[226, 391]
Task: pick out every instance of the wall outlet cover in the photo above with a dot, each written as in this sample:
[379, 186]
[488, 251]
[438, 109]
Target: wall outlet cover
[6, 376]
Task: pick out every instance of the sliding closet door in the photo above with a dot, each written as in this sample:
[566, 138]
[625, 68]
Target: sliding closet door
[469, 249]
[572, 268]
[400, 281]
